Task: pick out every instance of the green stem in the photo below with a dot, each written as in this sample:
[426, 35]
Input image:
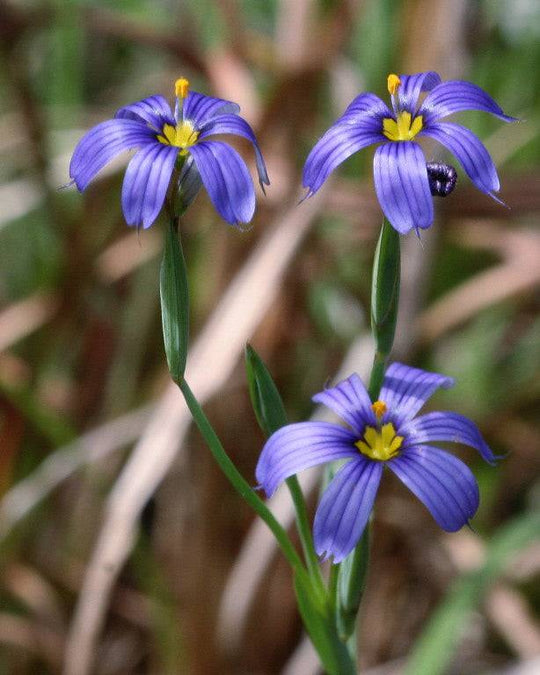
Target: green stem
[377, 374]
[304, 532]
[237, 480]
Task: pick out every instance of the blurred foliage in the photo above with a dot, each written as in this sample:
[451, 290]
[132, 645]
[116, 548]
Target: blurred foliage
[80, 326]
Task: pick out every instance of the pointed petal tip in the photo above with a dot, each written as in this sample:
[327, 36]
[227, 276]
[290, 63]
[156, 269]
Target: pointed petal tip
[324, 556]
[264, 485]
[470, 526]
[492, 194]
[493, 460]
[308, 194]
[69, 184]
[243, 227]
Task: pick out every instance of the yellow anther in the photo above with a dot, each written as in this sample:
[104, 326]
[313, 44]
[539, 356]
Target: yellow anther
[379, 408]
[181, 87]
[393, 83]
[403, 128]
[380, 444]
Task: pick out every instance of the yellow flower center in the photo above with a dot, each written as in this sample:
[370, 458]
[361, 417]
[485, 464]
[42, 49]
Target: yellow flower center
[404, 128]
[380, 444]
[183, 135]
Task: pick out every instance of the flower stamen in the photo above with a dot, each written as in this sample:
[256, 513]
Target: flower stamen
[403, 128]
[380, 444]
[183, 136]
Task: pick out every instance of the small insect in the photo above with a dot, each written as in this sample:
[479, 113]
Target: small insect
[442, 178]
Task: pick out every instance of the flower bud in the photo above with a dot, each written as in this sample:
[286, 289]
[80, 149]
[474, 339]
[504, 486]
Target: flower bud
[442, 178]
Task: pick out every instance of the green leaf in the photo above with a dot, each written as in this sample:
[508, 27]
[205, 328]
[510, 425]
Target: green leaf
[319, 624]
[174, 303]
[384, 302]
[437, 644]
[385, 288]
[264, 395]
[351, 585]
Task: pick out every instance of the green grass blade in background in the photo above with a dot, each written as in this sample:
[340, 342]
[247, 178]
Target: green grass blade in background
[436, 646]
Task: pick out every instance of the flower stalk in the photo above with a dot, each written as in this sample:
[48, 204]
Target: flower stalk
[239, 483]
[385, 286]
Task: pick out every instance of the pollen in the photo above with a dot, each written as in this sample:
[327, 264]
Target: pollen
[183, 136]
[181, 87]
[379, 408]
[393, 83]
[380, 444]
[403, 128]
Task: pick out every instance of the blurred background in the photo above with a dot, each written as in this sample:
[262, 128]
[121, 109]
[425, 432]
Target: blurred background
[122, 548]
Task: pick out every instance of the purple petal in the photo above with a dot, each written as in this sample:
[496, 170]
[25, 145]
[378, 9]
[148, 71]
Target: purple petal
[446, 426]
[102, 143]
[471, 153]
[199, 108]
[368, 110]
[442, 483]
[455, 96]
[412, 86]
[345, 507]
[300, 446]
[341, 141]
[145, 183]
[402, 185]
[227, 180]
[232, 124]
[350, 400]
[406, 389]
[153, 110]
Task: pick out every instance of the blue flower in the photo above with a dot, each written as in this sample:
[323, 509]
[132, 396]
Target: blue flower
[164, 142]
[385, 433]
[399, 167]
